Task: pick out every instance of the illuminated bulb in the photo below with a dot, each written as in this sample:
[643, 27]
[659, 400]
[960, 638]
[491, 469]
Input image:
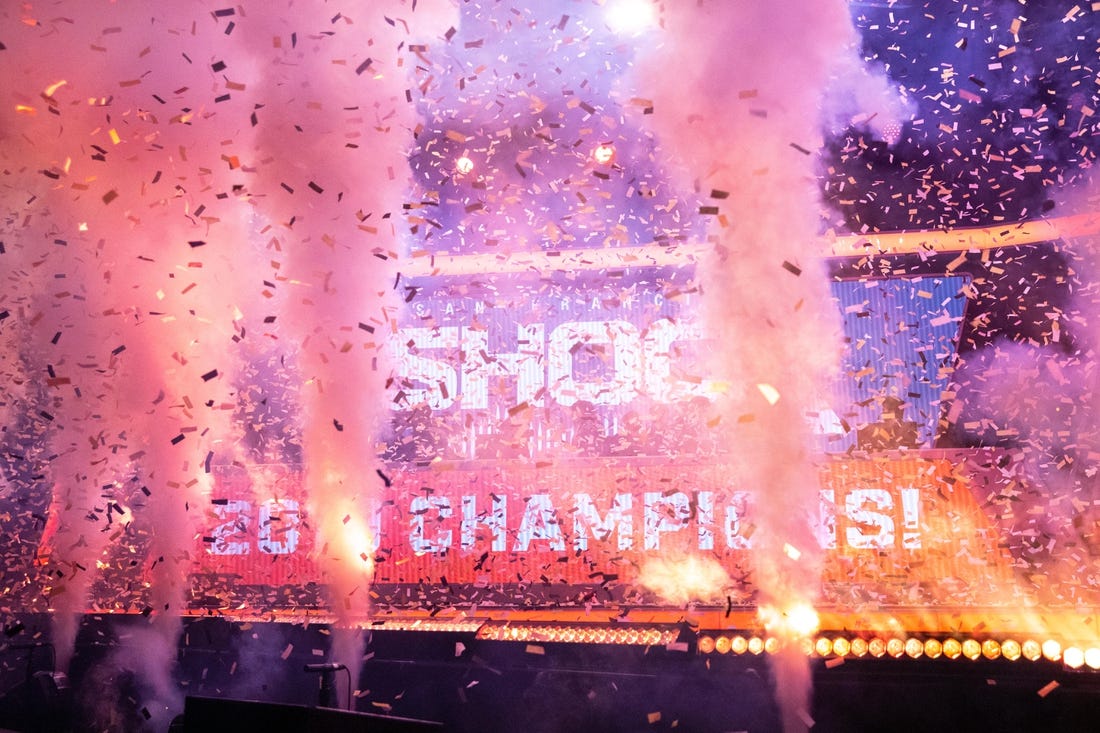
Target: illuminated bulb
[1052, 650]
[771, 645]
[972, 649]
[877, 647]
[823, 647]
[991, 649]
[756, 645]
[722, 644]
[859, 647]
[933, 648]
[1092, 657]
[706, 644]
[895, 647]
[806, 646]
[1073, 657]
[842, 646]
[1031, 650]
[464, 165]
[1011, 649]
[630, 17]
[952, 649]
[914, 647]
[739, 645]
[604, 153]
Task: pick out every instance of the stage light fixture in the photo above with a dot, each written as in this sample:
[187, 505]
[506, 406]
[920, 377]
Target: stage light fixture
[877, 647]
[1011, 649]
[722, 644]
[1073, 657]
[895, 647]
[859, 647]
[972, 649]
[1052, 650]
[706, 644]
[933, 648]
[952, 649]
[823, 647]
[464, 165]
[914, 647]
[991, 649]
[1092, 657]
[604, 153]
[739, 645]
[630, 17]
[771, 645]
[841, 646]
[756, 645]
[1031, 650]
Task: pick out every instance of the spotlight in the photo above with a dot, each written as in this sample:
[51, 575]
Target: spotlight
[604, 153]
[1073, 657]
[891, 133]
[1092, 657]
[895, 647]
[952, 649]
[739, 645]
[991, 649]
[722, 645]
[914, 647]
[464, 165]
[706, 644]
[933, 648]
[1011, 649]
[823, 647]
[630, 17]
[972, 649]
[1052, 650]
[859, 647]
[842, 646]
[1031, 650]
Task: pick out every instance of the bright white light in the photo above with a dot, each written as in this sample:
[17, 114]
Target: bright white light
[630, 17]
[799, 620]
[464, 165]
[1073, 657]
[604, 153]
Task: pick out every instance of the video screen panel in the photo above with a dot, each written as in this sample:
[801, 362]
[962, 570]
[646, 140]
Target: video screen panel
[552, 437]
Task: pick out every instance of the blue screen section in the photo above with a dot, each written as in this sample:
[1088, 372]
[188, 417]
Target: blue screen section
[902, 340]
[483, 361]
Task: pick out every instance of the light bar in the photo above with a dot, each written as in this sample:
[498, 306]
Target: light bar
[898, 647]
[578, 634]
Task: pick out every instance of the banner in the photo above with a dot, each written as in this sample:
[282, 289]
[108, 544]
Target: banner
[900, 530]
